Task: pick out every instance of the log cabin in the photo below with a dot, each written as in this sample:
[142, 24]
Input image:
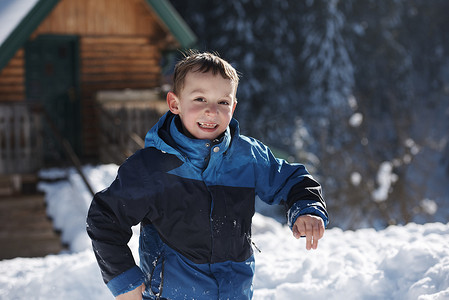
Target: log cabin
[56, 56]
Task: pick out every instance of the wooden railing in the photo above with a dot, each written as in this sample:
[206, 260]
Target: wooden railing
[123, 124]
[20, 138]
[68, 151]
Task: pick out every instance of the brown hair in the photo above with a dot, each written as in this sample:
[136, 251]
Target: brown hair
[203, 62]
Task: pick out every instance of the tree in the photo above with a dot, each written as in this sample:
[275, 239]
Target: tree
[357, 90]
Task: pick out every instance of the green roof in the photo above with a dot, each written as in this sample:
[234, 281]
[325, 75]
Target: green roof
[163, 8]
[174, 22]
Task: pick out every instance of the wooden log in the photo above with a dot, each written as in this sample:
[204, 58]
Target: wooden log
[11, 98]
[126, 44]
[16, 63]
[14, 88]
[100, 70]
[106, 50]
[133, 40]
[97, 86]
[99, 55]
[11, 80]
[119, 77]
[11, 72]
[118, 62]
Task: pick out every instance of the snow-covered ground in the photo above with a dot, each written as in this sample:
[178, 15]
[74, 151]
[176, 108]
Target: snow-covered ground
[400, 262]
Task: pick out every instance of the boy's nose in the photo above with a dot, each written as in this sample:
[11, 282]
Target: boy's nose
[211, 109]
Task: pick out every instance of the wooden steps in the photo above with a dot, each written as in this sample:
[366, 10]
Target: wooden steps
[18, 184]
[25, 229]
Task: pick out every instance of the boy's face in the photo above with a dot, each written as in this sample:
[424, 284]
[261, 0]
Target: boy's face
[205, 104]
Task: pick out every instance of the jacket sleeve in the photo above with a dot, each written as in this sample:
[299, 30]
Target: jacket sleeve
[112, 213]
[279, 182]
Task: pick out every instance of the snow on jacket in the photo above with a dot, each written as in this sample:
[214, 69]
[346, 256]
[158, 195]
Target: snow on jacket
[194, 200]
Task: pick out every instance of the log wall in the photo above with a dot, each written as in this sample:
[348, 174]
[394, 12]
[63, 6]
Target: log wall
[12, 79]
[113, 63]
[103, 17]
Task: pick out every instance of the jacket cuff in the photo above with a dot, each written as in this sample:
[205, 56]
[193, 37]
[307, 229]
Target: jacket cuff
[127, 281]
[301, 208]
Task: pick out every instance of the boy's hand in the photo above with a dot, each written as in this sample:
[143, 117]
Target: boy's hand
[310, 226]
[135, 294]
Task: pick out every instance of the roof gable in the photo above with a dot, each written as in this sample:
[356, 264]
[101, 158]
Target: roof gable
[19, 19]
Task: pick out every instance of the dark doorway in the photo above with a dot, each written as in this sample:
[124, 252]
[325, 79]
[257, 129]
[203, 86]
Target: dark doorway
[52, 81]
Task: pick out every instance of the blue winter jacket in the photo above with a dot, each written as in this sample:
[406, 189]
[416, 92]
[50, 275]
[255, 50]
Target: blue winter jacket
[194, 200]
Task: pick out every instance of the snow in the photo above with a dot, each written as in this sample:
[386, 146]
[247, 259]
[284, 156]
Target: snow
[429, 206]
[399, 262]
[356, 120]
[356, 178]
[12, 13]
[385, 178]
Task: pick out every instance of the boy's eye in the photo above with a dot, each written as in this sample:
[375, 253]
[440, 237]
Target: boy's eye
[224, 102]
[199, 99]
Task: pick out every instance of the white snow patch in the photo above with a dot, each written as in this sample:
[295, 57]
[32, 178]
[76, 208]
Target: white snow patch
[429, 206]
[352, 101]
[356, 178]
[356, 120]
[385, 178]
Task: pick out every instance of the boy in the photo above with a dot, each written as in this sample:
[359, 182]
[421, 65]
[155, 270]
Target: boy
[192, 189]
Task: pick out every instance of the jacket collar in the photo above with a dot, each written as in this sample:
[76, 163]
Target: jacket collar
[166, 137]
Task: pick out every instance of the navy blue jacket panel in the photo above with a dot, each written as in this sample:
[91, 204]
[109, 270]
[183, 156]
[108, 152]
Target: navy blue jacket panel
[194, 200]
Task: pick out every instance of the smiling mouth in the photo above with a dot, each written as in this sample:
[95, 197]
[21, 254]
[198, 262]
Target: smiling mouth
[207, 125]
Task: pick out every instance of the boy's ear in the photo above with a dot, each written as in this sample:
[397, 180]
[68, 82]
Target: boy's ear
[173, 102]
[235, 104]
